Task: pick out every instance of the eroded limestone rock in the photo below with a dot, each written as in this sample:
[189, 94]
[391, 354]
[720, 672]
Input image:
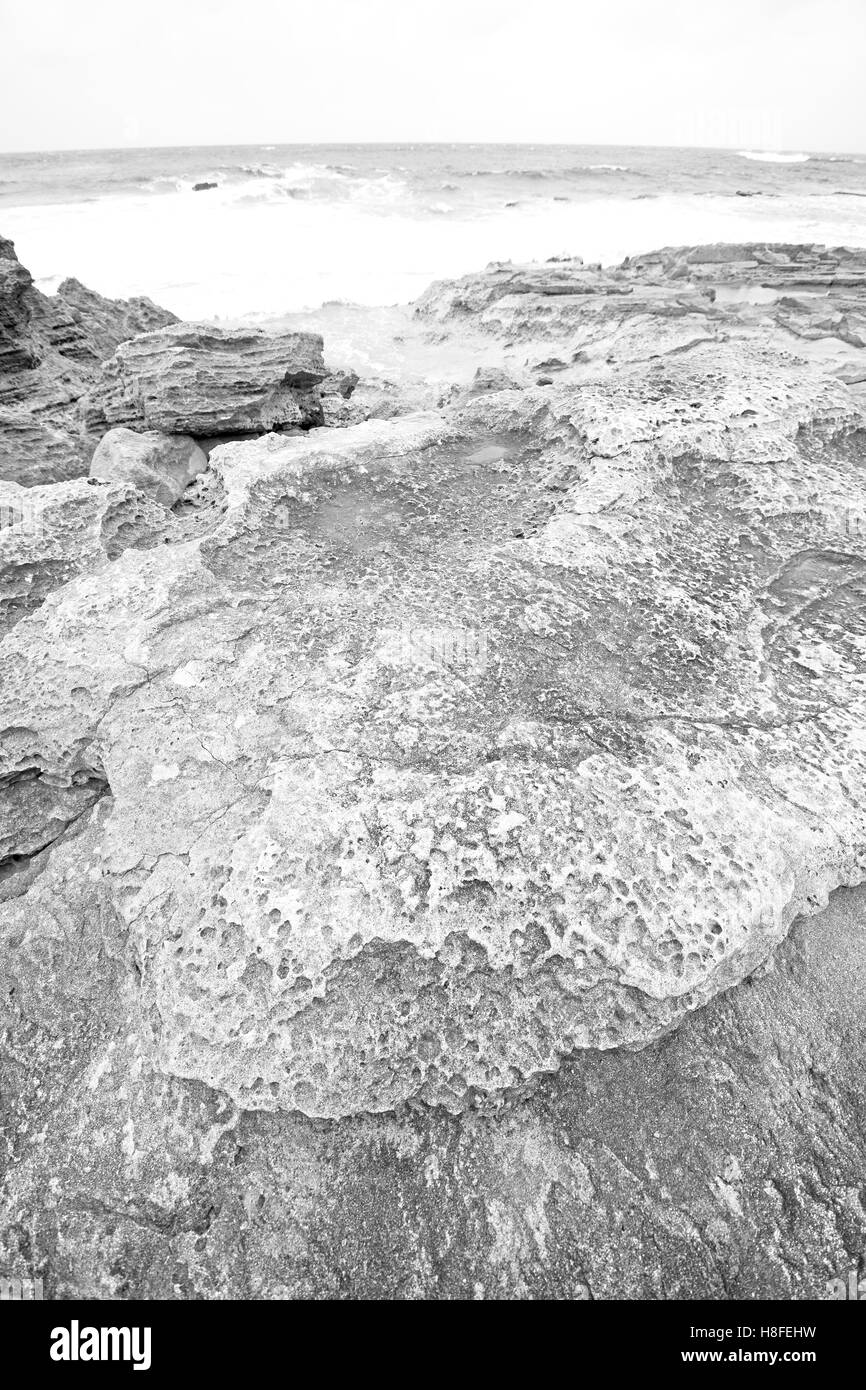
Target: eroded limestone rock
[51, 533]
[493, 734]
[160, 465]
[722, 1162]
[202, 380]
[50, 348]
[436, 754]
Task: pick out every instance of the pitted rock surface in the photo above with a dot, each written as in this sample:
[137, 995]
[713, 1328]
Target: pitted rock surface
[466, 740]
[402, 762]
[51, 533]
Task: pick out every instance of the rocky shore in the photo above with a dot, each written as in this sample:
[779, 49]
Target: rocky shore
[433, 816]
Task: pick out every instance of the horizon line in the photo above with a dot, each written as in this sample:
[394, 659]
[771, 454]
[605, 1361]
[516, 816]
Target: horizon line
[418, 144]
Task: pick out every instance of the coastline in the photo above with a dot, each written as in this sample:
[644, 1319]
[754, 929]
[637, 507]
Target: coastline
[288, 229]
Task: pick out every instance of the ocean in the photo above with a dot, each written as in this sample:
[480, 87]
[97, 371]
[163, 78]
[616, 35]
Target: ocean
[289, 228]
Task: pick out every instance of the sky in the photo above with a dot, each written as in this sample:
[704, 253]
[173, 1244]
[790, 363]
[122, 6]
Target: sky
[744, 74]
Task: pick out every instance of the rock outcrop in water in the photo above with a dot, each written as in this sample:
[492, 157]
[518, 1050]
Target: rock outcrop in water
[800, 298]
[417, 866]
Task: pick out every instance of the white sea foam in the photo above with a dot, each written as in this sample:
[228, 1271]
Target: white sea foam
[286, 236]
[774, 156]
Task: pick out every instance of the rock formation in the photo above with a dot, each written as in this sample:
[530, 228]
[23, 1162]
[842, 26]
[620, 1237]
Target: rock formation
[50, 348]
[432, 869]
[200, 380]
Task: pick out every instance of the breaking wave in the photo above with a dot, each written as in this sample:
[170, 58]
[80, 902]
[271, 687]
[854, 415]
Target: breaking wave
[774, 156]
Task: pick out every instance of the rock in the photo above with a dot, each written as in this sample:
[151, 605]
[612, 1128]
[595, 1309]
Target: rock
[201, 187]
[34, 452]
[488, 379]
[159, 465]
[95, 326]
[50, 348]
[489, 782]
[475, 293]
[337, 408]
[339, 383]
[50, 534]
[378, 398]
[686, 1170]
[550, 364]
[202, 380]
[16, 353]
[545, 847]
[36, 813]
[806, 299]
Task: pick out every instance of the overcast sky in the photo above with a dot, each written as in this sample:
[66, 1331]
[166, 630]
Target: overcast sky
[772, 74]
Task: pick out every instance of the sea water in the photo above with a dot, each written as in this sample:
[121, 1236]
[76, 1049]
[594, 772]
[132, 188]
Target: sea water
[289, 228]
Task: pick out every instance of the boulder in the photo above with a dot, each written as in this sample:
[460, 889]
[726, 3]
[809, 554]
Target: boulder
[202, 380]
[160, 465]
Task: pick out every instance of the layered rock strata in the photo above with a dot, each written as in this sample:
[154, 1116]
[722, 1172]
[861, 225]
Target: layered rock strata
[201, 380]
[50, 349]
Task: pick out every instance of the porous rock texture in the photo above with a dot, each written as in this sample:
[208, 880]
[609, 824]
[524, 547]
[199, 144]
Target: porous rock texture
[160, 465]
[49, 534]
[50, 349]
[417, 874]
[202, 380]
[725, 1161]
